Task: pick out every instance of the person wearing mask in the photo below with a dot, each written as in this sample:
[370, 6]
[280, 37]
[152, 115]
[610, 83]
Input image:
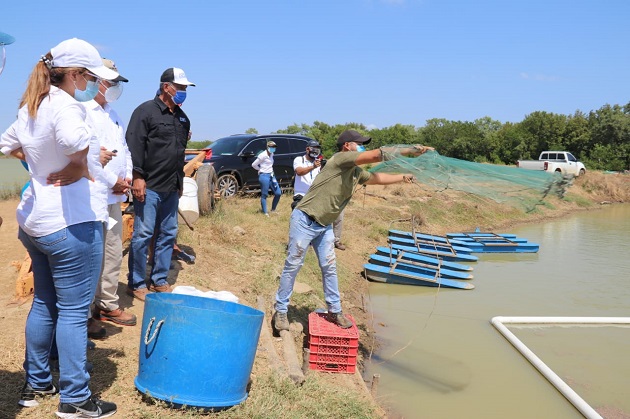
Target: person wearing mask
[306, 168]
[116, 159]
[312, 218]
[157, 135]
[5, 39]
[61, 222]
[264, 165]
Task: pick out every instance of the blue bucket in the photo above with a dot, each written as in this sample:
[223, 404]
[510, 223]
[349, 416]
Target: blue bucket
[197, 351]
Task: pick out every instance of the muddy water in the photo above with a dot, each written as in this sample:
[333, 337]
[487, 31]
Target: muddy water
[441, 358]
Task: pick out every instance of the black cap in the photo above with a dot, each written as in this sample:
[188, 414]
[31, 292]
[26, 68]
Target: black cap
[313, 143]
[351, 136]
[112, 66]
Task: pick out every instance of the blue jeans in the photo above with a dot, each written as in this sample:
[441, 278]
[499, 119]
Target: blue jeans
[66, 267]
[157, 212]
[304, 231]
[267, 181]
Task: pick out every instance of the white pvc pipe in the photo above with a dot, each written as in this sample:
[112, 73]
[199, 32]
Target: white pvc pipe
[579, 403]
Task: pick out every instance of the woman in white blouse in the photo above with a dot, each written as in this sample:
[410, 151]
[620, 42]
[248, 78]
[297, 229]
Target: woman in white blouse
[61, 221]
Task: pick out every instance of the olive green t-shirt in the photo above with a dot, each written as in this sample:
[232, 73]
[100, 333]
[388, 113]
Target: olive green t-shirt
[333, 187]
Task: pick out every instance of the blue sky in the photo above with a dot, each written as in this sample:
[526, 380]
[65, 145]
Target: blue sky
[267, 64]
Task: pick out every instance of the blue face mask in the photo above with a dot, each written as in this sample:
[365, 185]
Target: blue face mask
[272, 150]
[90, 92]
[361, 148]
[180, 96]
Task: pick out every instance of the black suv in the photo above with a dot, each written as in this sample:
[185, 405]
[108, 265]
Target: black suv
[232, 159]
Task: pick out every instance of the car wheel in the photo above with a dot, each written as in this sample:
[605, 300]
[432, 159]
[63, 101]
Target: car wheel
[582, 172]
[228, 185]
[206, 185]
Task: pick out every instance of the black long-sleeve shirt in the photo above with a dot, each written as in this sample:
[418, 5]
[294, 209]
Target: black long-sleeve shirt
[157, 138]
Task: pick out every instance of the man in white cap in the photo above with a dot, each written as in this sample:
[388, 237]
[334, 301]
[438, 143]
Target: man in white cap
[157, 135]
[5, 39]
[116, 159]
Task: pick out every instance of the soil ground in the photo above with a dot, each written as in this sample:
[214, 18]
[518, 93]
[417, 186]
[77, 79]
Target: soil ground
[241, 251]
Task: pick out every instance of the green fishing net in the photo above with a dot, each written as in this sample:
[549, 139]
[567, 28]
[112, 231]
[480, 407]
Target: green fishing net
[509, 185]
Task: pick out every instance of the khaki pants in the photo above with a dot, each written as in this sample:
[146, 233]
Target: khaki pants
[106, 296]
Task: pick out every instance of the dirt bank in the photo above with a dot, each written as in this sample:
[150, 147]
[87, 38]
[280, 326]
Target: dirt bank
[240, 251]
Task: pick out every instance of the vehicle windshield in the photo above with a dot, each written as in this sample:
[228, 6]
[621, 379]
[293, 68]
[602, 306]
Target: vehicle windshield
[228, 146]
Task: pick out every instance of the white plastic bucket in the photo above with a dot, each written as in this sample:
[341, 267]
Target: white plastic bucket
[188, 204]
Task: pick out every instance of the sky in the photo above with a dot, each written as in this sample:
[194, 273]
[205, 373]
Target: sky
[268, 64]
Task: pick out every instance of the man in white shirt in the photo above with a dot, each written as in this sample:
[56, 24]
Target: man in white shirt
[306, 167]
[116, 159]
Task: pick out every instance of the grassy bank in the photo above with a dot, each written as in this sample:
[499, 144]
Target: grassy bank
[241, 251]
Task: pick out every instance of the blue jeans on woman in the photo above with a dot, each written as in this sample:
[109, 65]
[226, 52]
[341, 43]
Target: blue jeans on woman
[66, 267]
[157, 212]
[304, 231]
[267, 180]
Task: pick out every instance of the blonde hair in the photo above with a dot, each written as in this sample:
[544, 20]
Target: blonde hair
[40, 80]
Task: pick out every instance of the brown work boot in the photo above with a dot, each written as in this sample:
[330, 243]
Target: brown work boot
[340, 320]
[118, 316]
[95, 330]
[140, 293]
[340, 246]
[161, 288]
[280, 321]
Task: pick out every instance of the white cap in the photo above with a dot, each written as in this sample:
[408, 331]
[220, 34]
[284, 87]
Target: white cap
[78, 53]
[175, 75]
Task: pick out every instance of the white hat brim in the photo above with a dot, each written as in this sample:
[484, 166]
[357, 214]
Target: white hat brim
[104, 72]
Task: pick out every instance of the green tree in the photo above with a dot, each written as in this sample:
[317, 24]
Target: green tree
[396, 134]
[544, 131]
[610, 137]
[577, 135]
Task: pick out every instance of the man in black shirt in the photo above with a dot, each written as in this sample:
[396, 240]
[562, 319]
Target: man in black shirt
[156, 137]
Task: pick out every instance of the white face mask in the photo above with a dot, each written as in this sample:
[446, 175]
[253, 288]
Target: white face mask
[113, 92]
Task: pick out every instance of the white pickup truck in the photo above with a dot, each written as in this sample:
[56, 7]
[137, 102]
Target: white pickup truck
[554, 161]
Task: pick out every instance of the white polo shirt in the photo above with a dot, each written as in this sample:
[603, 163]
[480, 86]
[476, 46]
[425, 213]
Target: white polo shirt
[58, 131]
[302, 183]
[110, 131]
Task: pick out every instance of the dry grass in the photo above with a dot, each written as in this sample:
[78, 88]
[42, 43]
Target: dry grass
[241, 251]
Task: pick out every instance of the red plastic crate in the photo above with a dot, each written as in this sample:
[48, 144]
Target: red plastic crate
[333, 349]
[332, 367]
[335, 354]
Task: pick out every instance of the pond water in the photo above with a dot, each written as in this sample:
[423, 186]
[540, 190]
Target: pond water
[439, 356]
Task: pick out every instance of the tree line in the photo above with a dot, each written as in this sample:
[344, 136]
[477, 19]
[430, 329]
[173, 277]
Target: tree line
[600, 139]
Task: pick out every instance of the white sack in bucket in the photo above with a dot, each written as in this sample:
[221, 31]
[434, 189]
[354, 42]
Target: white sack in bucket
[217, 295]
